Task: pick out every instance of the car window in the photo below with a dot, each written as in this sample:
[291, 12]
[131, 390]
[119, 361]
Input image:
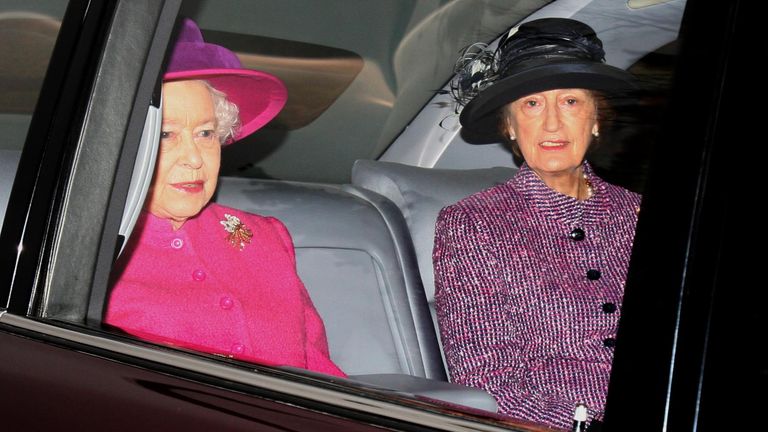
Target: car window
[28, 31]
[374, 86]
[397, 52]
[641, 38]
[362, 79]
[349, 99]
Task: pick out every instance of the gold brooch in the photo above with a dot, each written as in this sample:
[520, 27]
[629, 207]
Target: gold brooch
[239, 234]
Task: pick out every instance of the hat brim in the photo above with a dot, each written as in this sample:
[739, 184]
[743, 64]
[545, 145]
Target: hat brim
[258, 95]
[479, 119]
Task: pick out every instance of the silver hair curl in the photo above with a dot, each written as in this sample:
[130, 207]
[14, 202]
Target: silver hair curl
[227, 114]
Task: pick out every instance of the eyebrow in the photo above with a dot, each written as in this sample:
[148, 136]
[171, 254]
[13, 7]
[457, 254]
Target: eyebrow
[174, 122]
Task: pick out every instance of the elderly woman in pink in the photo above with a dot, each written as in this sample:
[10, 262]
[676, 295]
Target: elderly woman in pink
[199, 275]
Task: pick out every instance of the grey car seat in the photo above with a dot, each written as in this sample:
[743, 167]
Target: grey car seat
[356, 258]
[420, 193]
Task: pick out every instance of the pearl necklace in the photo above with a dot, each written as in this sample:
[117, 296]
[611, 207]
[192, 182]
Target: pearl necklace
[588, 184]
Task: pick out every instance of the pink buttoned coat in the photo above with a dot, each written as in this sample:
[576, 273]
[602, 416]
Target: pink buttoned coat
[191, 288]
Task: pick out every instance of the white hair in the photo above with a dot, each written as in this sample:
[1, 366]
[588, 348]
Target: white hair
[227, 114]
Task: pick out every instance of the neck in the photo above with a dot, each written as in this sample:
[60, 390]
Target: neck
[177, 223]
[571, 183]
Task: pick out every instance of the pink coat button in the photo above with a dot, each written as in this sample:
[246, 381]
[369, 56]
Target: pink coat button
[226, 303]
[237, 349]
[198, 275]
[177, 243]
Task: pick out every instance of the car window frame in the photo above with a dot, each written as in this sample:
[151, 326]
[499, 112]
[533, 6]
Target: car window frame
[49, 197]
[661, 371]
[109, 68]
[51, 138]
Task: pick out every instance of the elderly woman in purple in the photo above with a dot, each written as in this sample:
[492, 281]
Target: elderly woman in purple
[530, 274]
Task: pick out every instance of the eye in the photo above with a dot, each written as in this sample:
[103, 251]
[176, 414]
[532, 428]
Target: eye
[207, 138]
[531, 103]
[168, 140]
[571, 101]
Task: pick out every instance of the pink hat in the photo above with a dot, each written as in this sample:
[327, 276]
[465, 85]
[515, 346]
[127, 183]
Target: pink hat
[259, 95]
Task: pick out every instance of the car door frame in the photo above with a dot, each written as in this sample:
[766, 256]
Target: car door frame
[60, 231]
[687, 357]
[58, 238]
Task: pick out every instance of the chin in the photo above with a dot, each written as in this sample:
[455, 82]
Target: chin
[555, 165]
[188, 211]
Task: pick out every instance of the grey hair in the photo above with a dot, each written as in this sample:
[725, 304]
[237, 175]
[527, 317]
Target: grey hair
[227, 114]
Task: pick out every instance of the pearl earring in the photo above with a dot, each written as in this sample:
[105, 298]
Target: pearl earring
[596, 133]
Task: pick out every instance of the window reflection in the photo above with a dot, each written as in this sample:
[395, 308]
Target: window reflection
[28, 34]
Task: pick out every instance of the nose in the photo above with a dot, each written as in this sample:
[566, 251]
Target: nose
[552, 117]
[190, 154]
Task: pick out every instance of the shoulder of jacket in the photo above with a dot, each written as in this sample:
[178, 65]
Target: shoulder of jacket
[623, 194]
[503, 197]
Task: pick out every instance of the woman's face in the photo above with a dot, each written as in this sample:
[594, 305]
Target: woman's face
[553, 128]
[190, 153]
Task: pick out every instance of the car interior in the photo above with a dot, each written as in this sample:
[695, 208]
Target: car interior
[363, 233]
[363, 246]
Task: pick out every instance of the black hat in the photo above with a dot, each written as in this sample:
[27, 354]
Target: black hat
[544, 54]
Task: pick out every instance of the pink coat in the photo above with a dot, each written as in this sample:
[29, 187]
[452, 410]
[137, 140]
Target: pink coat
[191, 288]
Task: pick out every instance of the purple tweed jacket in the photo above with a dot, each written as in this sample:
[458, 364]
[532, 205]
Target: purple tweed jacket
[529, 284]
